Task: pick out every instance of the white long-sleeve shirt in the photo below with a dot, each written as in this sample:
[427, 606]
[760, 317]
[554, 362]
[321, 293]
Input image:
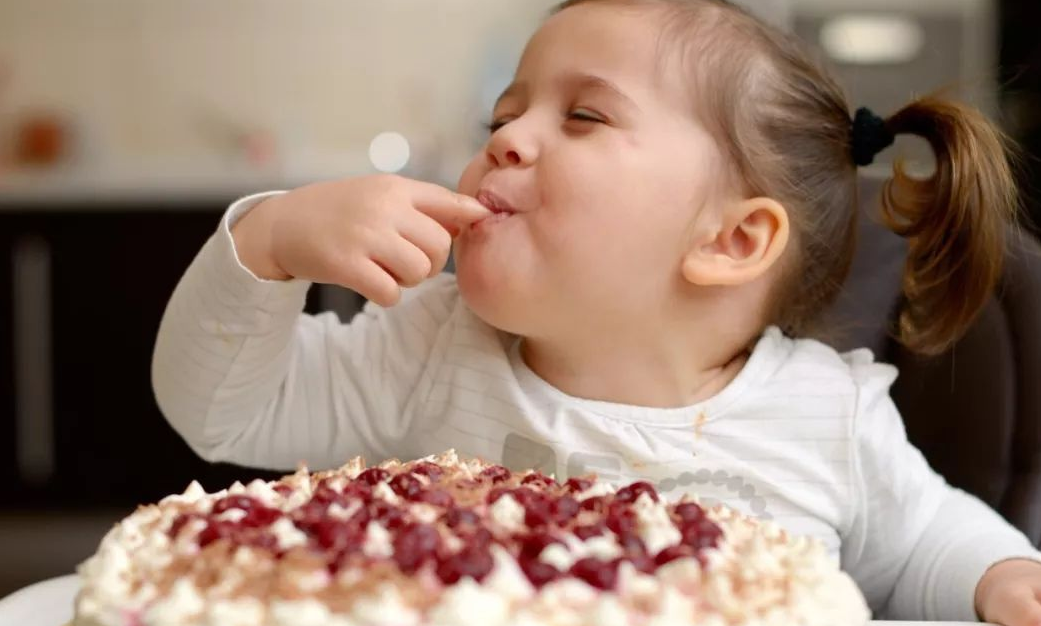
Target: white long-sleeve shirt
[803, 435]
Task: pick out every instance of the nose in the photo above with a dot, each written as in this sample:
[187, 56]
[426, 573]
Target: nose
[511, 146]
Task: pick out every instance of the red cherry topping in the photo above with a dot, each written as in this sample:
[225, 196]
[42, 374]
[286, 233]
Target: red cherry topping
[458, 516]
[620, 518]
[600, 574]
[526, 495]
[358, 491]
[436, 497]
[701, 534]
[711, 535]
[373, 475]
[261, 517]
[494, 495]
[632, 544]
[306, 516]
[361, 517]
[479, 536]
[244, 503]
[537, 512]
[631, 492]
[216, 530]
[417, 545]
[577, 485]
[406, 485]
[428, 469]
[324, 493]
[595, 503]
[474, 561]
[539, 573]
[257, 515]
[496, 474]
[643, 563]
[533, 545]
[414, 545]
[563, 509]
[539, 479]
[672, 553]
[387, 514]
[589, 530]
[334, 534]
[689, 512]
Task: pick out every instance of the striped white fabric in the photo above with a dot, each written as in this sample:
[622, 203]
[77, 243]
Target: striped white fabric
[803, 435]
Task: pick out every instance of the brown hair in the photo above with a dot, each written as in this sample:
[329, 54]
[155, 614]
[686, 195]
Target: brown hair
[784, 124]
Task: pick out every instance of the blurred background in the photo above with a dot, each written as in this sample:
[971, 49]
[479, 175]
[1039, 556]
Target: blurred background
[127, 126]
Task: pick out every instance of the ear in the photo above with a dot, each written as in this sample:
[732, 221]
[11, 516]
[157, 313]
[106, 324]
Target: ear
[747, 242]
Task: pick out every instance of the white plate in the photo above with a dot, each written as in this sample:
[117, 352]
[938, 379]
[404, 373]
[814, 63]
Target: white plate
[49, 603]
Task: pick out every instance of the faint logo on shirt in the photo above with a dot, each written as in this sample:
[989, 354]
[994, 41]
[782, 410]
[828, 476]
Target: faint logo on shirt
[521, 453]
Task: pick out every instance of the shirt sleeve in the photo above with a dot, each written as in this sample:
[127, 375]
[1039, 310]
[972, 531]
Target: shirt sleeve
[245, 377]
[917, 547]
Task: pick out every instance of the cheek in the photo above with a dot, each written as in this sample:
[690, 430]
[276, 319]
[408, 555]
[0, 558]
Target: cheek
[619, 231]
[471, 176]
[592, 214]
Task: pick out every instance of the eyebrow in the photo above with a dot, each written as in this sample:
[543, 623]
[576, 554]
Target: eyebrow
[576, 81]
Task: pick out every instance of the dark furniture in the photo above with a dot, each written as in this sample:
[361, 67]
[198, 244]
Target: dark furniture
[975, 411]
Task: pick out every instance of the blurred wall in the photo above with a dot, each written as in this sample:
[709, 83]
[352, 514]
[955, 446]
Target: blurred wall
[301, 88]
[167, 82]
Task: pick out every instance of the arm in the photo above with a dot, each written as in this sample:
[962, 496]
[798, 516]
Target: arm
[244, 377]
[916, 546]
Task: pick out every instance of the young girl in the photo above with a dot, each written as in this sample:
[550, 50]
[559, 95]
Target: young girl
[664, 205]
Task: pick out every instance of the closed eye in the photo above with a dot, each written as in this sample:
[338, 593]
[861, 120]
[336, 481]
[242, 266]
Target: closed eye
[585, 116]
[494, 125]
[578, 115]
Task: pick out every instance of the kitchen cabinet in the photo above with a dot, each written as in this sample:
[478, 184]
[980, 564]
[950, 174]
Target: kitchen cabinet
[88, 284]
[8, 468]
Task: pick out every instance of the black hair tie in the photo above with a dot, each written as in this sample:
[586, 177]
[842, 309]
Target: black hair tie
[869, 136]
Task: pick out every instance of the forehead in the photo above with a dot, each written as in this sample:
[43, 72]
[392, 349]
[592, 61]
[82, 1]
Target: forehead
[620, 43]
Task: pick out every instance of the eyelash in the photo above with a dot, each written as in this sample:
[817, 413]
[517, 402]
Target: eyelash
[495, 125]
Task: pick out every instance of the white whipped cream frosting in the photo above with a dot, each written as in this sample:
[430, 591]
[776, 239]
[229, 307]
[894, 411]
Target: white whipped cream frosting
[508, 513]
[745, 582]
[287, 534]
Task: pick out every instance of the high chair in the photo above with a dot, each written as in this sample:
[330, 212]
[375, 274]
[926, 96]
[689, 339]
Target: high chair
[975, 411]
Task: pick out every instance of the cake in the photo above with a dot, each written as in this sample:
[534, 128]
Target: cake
[452, 541]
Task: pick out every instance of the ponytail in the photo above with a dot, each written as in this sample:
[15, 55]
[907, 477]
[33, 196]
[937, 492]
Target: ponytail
[955, 221]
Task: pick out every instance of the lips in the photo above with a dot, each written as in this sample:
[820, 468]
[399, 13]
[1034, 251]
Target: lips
[500, 207]
[494, 202]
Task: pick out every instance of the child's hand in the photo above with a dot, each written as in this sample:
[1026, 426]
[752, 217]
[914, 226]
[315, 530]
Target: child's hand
[373, 234]
[1008, 593]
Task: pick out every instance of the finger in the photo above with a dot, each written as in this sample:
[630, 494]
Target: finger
[406, 263]
[1016, 607]
[375, 283]
[432, 238]
[447, 207]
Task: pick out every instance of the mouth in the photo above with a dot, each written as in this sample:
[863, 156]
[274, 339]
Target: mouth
[501, 208]
[495, 203]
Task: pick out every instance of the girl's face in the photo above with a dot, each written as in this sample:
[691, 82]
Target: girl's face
[601, 168]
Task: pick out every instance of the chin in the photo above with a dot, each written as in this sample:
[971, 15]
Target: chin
[493, 298]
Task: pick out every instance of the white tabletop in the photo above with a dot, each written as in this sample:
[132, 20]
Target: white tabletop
[49, 603]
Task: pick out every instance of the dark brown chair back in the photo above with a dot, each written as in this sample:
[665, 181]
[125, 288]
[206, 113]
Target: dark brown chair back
[975, 411]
